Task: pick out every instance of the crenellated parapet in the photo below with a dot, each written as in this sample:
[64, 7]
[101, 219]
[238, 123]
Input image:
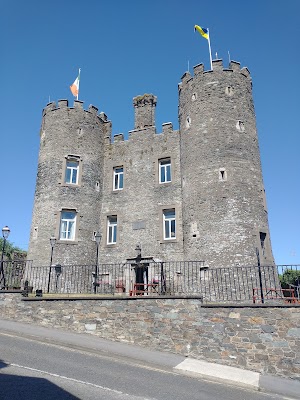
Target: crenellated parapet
[149, 133]
[63, 104]
[145, 99]
[218, 68]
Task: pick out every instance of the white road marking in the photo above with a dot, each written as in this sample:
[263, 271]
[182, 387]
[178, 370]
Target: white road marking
[66, 378]
[96, 353]
[78, 381]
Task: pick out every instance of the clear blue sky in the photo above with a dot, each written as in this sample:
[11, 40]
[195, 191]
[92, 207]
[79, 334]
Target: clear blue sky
[128, 48]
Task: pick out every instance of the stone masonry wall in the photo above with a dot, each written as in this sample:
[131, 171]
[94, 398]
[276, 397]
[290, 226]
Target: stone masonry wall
[139, 206]
[222, 186]
[68, 131]
[262, 339]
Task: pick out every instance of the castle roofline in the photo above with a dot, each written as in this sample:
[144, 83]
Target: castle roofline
[217, 64]
[78, 105]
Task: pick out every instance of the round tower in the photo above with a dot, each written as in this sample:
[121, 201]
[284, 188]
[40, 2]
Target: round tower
[225, 220]
[68, 193]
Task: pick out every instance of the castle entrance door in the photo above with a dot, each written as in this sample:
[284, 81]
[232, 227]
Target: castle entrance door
[141, 279]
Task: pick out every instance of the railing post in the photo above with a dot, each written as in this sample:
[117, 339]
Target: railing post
[98, 237]
[49, 278]
[259, 276]
[162, 279]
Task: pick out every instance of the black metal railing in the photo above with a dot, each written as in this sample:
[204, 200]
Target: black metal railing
[12, 273]
[255, 284]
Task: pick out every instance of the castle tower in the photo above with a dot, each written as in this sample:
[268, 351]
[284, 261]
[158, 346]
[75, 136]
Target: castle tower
[224, 210]
[68, 191]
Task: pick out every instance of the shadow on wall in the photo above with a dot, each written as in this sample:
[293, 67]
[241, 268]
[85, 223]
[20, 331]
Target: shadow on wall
[15, 387]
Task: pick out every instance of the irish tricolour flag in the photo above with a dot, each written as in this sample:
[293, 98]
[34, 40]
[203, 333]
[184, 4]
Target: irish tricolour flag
[75, 87]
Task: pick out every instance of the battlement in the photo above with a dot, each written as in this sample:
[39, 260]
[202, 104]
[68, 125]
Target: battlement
[234, 67]
[144, 109]
[140, 101]
[78, 105]
[138, 134]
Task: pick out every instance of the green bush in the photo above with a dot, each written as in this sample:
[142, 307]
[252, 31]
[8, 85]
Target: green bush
[290, 277]
[10, 248]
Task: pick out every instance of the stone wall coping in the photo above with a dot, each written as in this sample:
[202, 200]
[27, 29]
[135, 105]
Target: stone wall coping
[234, 305]
[145, 298]
[111, 298]
[11, 291]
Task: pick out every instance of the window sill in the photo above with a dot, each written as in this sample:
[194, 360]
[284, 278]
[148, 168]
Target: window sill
[169, 241]
[161, 184]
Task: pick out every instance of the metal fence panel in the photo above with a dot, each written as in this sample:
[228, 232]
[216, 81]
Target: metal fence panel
[172, 278]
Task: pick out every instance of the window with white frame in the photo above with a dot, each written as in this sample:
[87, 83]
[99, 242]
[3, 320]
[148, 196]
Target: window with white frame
[169, 224]
[165, 170]
[118, 178]
[72, 172]
[67, 225]
[112, 223]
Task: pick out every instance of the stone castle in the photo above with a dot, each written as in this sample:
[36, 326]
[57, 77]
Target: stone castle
[195, 193]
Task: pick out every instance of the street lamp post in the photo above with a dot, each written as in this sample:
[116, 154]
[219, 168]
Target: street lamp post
[52, 243]
[97, 239]
[5, 234]
[259, 276]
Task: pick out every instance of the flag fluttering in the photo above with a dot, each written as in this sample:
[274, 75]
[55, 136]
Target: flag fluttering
[203, 31]
[75, 86]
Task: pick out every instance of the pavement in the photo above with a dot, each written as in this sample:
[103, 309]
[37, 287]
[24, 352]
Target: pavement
[210, 371]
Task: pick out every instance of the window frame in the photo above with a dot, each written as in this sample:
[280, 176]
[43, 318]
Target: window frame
[163, 164]
[113, 228]
[72, 169]
[169, 222]
[116, 187]
[68, 229]
[71, 158]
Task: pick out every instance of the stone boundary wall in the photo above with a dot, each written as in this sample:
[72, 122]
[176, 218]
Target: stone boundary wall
[264, 339]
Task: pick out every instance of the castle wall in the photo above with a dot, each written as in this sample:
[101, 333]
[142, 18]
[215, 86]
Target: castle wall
[139, 205]
[77, 133]
[223, 194]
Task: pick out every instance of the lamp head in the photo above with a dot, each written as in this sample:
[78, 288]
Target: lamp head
[98, 237]
[5, 232]
[52, 241]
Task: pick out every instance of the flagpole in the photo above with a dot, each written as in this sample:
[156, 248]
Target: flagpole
[78, 81]
[209, 49]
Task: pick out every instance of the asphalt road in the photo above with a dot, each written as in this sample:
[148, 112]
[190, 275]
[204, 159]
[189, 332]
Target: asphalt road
[36, 367]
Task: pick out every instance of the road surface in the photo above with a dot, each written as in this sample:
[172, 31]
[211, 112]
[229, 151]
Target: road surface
[41, 367]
